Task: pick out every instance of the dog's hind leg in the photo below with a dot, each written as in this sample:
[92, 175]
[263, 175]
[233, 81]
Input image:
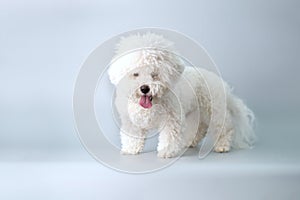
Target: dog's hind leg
[193, 132]
[200, 134]
[223, 143]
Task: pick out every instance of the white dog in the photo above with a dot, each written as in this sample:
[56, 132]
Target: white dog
[155, 90]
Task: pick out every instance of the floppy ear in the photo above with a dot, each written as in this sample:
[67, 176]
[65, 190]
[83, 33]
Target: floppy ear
[114, 73]
[178, 64]
[122, 65]
[173, 66]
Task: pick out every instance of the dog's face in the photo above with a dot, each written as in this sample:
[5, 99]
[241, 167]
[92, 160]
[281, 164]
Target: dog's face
[147, 85]
[148, 75]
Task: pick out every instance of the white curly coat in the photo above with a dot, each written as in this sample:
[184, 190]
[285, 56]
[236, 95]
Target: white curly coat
[183, 103]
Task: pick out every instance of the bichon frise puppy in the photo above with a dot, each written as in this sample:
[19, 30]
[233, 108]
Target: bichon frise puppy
[155, 90]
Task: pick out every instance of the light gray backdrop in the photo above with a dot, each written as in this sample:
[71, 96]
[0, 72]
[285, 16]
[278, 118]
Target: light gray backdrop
[255, 43]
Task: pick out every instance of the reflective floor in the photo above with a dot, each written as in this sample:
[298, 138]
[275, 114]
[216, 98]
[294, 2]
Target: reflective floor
[271, 169]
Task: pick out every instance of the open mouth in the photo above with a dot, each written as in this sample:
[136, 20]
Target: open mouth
[146, 101]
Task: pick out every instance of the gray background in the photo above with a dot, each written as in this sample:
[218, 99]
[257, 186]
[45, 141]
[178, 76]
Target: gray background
[255, 44]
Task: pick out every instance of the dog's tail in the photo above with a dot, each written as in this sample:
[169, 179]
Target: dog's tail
[243, 120]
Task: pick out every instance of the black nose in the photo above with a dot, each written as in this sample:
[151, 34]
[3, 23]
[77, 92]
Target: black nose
[145, 89]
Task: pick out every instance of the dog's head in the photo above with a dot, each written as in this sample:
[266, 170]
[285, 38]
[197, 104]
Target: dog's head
[149, 70]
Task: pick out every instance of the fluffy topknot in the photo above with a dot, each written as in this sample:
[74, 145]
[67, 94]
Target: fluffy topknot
[142, 50]
[147, 40]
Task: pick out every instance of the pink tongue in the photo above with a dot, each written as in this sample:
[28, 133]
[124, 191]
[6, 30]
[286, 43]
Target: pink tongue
[145, 101]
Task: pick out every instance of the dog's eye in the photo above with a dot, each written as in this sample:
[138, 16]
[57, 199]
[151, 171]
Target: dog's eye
[136, 74]
[154, 75]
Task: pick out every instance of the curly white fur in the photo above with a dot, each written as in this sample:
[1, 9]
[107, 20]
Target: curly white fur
[169, 105]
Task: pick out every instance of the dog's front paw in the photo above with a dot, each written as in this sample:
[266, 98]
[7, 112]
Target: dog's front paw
[131, 151]
[122, 152]
[222, 148]
[166, 153]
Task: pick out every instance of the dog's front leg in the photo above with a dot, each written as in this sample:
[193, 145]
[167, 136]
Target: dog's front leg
[132, 139]
[171, 142]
